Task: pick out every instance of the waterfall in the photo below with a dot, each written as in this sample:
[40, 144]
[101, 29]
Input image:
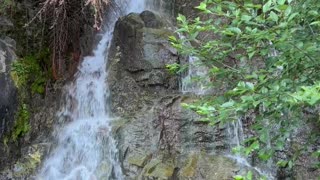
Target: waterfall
[85, 149]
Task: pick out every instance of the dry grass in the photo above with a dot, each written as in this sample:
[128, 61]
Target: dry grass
[66, 19]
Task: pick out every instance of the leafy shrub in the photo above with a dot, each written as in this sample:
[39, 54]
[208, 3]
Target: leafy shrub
[275, 47]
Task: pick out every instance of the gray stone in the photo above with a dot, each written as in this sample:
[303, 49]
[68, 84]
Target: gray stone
[5, 24]
[158, 136]
[8, 91]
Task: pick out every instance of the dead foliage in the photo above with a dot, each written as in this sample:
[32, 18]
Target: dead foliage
[66, 20]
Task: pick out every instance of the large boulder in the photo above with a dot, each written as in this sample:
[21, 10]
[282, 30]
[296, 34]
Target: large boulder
[158, 139]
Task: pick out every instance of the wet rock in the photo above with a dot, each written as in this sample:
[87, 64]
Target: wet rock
[151, 20]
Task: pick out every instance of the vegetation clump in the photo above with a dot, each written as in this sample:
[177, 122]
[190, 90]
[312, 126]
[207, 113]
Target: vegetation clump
[31, 72]
[30, 75]
[21, 126]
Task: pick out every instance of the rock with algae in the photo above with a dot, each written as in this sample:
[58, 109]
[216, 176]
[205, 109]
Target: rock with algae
[26, 167]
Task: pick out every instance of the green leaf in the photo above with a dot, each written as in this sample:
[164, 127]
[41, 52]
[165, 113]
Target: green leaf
[251, 54]
[281, 2]
[181, 18]
[234, 30]
[202, 6]
[249, 175]
[282, 7]
[292, 16]
[228, 104]
[172, 38]
[274, 16]
[315, 23]
[246, 17]
[282, 163]
[238, 177]
[266, 7]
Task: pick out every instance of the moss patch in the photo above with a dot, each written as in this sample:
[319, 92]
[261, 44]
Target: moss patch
[139, 160]
[27, 165]
[159, 170]
[189, 170]
[21, 126]
[30, 72]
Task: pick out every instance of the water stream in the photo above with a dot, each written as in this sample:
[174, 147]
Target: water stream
[85, 149]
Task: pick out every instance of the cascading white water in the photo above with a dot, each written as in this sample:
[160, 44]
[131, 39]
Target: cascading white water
[85, 149]
[196, 80]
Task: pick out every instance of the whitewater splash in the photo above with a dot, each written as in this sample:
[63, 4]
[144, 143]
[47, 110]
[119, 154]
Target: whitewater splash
[85, 149]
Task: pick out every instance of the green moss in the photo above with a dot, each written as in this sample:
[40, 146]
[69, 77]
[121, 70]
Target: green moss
[31, 71]
[30, 77]
[22, 125]
[189, 170]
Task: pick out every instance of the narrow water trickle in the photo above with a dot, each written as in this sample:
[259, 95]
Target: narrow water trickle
[85, 149]
[196, 79]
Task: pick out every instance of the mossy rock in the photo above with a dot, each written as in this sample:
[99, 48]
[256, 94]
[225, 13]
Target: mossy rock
[210, 167]
[139, 160]
[159, 170]
[190, 169]
[28, 164]
[117, 124]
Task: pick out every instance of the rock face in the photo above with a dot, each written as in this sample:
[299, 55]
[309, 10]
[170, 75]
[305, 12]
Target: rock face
[186, 7]
[158, 139]
[8, 91]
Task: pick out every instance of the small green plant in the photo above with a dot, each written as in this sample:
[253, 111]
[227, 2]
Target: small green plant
[28, 72]
[317, 156]
[173, 68]
[249, 176]
[22, 125]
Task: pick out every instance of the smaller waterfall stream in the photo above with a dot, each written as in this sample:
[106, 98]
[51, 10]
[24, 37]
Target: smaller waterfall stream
[196, 81]
[85, 149]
